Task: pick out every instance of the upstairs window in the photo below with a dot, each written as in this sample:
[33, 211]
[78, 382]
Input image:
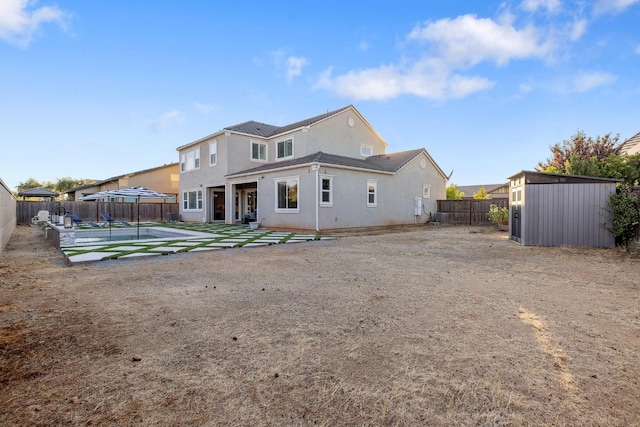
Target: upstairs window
[190, 160]
[259, 151]
[213, 153]
[366, 150]
[285, 149]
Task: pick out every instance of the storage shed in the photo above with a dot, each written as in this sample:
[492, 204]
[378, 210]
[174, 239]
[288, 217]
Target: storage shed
[560, 210]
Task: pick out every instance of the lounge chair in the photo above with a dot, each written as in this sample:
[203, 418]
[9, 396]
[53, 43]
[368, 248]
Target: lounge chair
[112, 221]
[77, 220]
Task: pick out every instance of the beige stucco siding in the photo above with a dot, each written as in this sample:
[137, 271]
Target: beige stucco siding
[335, 136]
[396, 195]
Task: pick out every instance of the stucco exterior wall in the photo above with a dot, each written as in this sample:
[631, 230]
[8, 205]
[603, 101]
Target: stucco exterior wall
[395, 204]
[7, 214]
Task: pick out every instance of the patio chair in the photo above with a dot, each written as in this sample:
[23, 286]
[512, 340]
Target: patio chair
[112, 221]
[77, 220]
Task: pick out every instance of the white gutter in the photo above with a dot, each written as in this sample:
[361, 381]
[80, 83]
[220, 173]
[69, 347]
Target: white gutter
[316, 167]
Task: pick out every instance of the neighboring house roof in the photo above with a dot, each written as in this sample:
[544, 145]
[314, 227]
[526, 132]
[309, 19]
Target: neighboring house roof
[389, 163]
[116, 178]
[264, 130]
[470, 190]
[631, 145]
[536, 177]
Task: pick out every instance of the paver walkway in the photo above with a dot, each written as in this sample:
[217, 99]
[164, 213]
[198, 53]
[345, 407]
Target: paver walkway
[220, 236]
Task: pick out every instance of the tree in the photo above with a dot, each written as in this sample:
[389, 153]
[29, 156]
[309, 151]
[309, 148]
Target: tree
[623, 205]
[481, 194]
[453, 193]
[622, 167]
[581, 146]
[34, 183]
[61, 185]
[67, 183]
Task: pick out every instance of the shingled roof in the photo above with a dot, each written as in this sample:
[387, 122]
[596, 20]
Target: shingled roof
[389, 163]
[266, 131]
[631, 145]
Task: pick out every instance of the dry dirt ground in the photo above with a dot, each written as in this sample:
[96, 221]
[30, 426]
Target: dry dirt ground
[424, 326]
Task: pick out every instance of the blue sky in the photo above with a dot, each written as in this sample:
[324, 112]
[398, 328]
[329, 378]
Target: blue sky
[94, 89]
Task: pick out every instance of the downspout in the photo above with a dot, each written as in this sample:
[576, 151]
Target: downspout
[317, 169]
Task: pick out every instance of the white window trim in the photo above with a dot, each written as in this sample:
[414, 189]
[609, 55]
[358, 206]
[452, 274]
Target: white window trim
[374, 183]
[285, 157]
[275, 186]
[214, 144]
[363, 148]
[184, 160]
[199, 199]
[330, 178]
[426, 191]
[266, 151]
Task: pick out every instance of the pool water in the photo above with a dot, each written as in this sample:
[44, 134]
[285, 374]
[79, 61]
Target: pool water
[96, 236]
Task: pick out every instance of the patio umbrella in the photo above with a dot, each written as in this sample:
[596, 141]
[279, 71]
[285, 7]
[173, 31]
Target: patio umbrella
[132, 192]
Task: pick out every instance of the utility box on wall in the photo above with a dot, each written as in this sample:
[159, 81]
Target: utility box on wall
[560, 210]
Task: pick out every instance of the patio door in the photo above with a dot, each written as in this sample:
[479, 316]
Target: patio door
[217, 205]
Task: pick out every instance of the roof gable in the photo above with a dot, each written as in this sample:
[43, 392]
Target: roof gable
[631, 145]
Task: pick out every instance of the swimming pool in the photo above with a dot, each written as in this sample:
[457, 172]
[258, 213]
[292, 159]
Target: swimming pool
[129, 234]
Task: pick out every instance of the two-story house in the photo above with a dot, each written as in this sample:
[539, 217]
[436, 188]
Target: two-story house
[327, 172]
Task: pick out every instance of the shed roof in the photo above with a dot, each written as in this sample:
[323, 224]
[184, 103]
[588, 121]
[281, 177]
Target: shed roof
[535, 177]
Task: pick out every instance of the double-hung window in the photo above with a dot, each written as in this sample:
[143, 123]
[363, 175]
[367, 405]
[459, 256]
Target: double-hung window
[287, 194]
[258, 151]
[326, 190]
[284, 149]
[192, 200]
[213, 153]
[372, 193]
[190, 160]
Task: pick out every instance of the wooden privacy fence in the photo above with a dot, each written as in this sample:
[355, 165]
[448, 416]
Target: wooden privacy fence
[471, 212]
[90, 211]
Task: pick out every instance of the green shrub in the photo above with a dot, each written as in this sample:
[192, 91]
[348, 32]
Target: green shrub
[498, 215]
[623, 206]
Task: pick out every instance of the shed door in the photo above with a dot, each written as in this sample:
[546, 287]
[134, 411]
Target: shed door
[515, 223]
[516, 214]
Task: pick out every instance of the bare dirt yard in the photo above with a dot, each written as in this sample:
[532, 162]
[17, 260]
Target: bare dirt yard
[423, 326]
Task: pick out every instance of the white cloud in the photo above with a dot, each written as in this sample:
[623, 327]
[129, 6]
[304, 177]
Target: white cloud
[451, 45]
[167, 118]
[577, 29]
[534, 5]
[294, 66]
[637, 50]
[19, 22]
[425, 79]
[204, 108]
[468, 40]
[612, 6]
[585, 82]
